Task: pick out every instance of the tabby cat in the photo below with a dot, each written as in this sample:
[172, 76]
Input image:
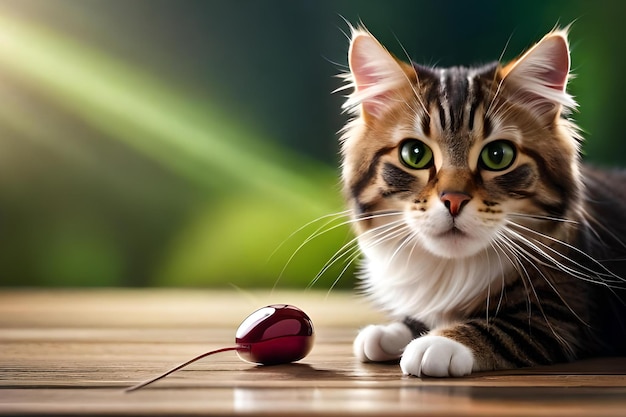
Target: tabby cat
[485, 239]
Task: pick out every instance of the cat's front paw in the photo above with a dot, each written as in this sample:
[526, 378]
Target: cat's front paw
[379, 343]
[436, 356]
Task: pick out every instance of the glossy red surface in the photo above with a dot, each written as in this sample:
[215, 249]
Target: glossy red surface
[275, 334]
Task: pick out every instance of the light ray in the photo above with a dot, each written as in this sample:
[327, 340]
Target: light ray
[133, 107]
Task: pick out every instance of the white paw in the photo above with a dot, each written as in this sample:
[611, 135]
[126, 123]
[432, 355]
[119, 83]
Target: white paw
[379, 343]
[436, 356]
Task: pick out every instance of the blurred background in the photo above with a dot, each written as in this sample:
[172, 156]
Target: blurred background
[193, 143]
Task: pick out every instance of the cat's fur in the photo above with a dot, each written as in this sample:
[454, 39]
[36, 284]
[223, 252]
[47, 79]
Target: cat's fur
[480, 269]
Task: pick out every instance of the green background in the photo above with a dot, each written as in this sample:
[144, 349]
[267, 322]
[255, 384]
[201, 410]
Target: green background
[193, 143]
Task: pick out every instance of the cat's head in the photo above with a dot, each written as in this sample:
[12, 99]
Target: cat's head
[452, 159]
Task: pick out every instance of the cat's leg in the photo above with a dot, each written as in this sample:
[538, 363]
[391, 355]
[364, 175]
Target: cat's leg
[386, 342]
[381, 342]
[437, 356]
[478, 345]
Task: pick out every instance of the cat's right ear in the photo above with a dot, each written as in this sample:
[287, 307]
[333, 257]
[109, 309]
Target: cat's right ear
[376, 74]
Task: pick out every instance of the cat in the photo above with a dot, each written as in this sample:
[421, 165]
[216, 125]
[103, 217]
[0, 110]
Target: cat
[485, 239]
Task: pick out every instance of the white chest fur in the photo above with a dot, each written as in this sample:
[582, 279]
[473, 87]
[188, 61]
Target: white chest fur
[414, 283]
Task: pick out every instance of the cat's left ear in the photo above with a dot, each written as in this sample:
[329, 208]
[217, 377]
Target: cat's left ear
[538, 79]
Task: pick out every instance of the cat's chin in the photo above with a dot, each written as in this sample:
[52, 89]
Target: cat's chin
[453, 244]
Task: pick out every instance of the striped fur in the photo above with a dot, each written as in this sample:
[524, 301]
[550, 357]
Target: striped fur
[488, 268]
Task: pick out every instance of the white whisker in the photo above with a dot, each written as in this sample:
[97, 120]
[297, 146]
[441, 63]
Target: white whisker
[514, 258]
[349, 262]
[408, 237]
[494, 247]
[495, 76]
[597, 274]
[540, 217]
[605, 229]
[381, 233]
[495, 244]
[549, 261]
[525, 254]
[333, 217]
[415, 92]
[327, 227]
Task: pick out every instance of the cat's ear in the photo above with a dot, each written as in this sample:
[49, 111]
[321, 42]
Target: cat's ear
[376, 74]
[538, 79]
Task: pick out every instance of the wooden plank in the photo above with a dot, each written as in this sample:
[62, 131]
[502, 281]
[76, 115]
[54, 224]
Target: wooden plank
[73, 353]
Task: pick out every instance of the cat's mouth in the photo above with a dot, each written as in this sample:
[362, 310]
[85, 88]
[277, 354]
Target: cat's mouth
[454, 242]
[453, 232]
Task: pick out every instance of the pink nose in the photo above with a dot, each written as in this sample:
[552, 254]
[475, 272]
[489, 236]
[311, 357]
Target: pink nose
[454, 202]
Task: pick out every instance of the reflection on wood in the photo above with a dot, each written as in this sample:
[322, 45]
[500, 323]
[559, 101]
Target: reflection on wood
[73, 353]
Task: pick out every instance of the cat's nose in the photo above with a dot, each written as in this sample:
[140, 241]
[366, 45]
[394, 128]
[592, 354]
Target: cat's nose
[454, 202]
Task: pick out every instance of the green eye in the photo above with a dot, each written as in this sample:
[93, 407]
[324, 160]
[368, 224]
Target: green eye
[416, 154]
[497, 155]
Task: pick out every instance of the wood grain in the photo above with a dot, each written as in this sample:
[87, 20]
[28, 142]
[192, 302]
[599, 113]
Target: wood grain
[73, 353]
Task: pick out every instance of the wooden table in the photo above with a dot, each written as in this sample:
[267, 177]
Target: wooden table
[73, 353]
